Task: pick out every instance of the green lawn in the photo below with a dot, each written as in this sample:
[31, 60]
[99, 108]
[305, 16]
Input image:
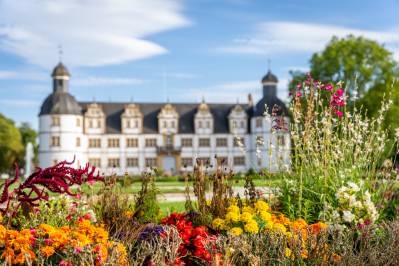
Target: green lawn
[169, 207]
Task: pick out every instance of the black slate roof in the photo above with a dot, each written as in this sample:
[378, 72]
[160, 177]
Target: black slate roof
[270, 102]
[150, 111]
[269, 77]
[58, 103]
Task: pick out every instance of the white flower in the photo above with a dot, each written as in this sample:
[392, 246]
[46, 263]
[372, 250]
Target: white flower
[353, 186]
[348, 216]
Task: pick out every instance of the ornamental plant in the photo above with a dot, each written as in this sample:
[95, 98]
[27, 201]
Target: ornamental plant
[57, 179]
[78, 244]
[331, 145]
[355, 206]
[194, 239]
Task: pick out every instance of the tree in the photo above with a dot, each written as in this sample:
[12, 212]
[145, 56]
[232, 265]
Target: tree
[10, 144]
[362, 65]
[28, 134]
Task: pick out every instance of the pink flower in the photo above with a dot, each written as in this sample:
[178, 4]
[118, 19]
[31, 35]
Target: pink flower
[339, 113]
[91, 182]
[298, 94]
[78, 250]
[340, 92]
[33, 231]
[328, 87]
[48, 241]
[63, 263]
[299, 85]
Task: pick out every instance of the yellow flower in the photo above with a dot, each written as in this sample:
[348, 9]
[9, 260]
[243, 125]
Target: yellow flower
[236, 231]
[246, 217]
[233, 216]
[47, 251]
[233, 208]
[248, 209]
[128, 214]
[260, 205]
[288, 252]
[279, 227]
[265, 216]
[218, 223]
[251, 227]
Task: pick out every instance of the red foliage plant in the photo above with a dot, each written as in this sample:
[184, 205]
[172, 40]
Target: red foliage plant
[58, 178]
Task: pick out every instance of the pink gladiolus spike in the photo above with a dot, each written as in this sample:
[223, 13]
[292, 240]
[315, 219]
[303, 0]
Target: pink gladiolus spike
[339, 113]
[340, 92]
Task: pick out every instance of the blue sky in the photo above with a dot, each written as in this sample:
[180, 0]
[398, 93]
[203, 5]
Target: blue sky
[149, 51]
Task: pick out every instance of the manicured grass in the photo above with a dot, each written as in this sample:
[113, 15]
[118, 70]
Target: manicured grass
[169, 207]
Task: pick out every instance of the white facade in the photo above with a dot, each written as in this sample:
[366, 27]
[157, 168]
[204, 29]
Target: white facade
[85, 138]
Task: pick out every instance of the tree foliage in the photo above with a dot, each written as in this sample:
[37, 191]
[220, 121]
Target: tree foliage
[10, 144]
[28, 134]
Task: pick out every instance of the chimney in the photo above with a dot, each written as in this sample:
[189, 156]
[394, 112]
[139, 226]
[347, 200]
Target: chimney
[250, 100]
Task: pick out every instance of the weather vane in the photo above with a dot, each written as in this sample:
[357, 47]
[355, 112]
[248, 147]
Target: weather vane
[60, 52]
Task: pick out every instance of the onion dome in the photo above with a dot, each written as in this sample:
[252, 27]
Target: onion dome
[269, 77]
[60, 71]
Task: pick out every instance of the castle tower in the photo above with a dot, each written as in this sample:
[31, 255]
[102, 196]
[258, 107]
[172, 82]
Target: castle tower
[61, 124]
[270, 146]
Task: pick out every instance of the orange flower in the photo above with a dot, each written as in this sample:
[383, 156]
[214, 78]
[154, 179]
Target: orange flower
[47, 251]
[317, 227]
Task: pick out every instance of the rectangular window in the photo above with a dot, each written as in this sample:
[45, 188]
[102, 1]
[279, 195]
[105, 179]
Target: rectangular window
[77, 142]
[55, 141]
[150, 162]
[239, 161]
[186, 142]
[96, 162]
[258, 122]
[132, 162]
[239, 142]
[94, 143]
[204, 142]
[242, 124]
[132, 142]
[152, 142]
[187, 162]
[55, 121]
[77, 122]
[280, 140]
[113, 143]
[113, 162]
[221, 142]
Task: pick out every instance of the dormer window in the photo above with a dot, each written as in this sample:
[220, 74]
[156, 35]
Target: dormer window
[168, 119]
[203, 120]
[94, 119]
[238, 120]
[132, 119]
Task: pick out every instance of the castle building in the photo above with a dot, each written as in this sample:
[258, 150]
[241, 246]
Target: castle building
[133, 137]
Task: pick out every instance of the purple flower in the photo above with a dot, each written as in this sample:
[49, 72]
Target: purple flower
[150, 232]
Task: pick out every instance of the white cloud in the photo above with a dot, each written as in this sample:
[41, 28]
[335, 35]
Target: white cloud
[284, 37]
[19, 103]
[23, 75]
[105, 81]
[4, 74]
[91, 32]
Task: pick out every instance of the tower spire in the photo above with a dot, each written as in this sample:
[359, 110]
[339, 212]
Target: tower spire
[269, 62]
